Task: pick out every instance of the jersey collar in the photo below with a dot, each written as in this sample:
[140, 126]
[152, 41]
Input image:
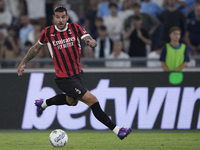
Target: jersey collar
[63, 29]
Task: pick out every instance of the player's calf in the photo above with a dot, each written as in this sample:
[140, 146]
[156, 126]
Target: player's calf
[60, 99]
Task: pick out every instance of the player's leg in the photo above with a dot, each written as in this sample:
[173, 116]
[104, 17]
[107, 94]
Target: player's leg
[93, 103]
[68, 86]
[60, 99]
[89, 99]
[71, 101]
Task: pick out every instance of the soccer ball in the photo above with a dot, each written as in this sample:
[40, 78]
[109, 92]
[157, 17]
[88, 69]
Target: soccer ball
[58, 138]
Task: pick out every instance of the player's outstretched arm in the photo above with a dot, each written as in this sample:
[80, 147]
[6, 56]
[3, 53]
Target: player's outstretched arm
[90, 41]
[30, 55]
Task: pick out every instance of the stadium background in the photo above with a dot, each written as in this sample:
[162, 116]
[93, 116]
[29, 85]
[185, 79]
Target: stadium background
[16, 89]
[38, 14]
[140, 96]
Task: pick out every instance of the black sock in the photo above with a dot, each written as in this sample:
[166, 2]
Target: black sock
[57, 100]
[101, 116]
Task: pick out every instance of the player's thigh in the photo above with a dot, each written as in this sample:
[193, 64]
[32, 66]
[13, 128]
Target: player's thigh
[72, 87]
[89, 99]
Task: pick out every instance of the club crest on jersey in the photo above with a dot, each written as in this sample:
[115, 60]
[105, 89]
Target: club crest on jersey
[77, 91]
[69, 31]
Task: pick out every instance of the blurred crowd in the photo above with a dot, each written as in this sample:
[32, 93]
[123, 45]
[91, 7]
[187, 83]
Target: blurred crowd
[122, 28]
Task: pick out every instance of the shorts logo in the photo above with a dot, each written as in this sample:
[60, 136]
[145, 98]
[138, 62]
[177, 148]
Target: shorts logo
[77, 91]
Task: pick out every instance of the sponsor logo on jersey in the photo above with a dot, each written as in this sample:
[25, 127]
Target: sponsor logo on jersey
[64, 43]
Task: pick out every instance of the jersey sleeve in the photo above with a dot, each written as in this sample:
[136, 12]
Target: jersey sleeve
[163, 54]
[43, 38]
[81, 32]
[186, 58]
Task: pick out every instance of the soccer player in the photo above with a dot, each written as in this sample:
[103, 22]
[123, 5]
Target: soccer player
[64, 46]
[174, 56]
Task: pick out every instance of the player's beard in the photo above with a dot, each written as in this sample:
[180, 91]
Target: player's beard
[61, 24]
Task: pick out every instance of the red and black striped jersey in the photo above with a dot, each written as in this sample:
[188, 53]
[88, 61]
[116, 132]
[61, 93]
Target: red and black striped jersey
[64, 47]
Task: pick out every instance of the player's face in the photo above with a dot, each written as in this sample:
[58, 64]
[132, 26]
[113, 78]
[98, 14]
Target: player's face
[60, 19]
[171, 2]
[137, 23]
[117, 46]
[113, 10]
[136, 10]
[175, 35]
[102, 33]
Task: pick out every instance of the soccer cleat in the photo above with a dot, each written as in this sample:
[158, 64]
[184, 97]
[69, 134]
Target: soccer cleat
[124, 132]
[38, 104]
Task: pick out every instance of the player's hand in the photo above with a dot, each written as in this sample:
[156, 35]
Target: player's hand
[91, 42]
[20, 70]
[139, 33]
[132, 27]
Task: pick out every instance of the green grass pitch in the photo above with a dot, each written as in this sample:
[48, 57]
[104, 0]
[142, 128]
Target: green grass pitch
[102, 140]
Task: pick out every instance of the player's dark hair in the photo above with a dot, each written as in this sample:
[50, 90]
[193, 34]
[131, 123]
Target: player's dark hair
[197, 2]
[102, 28]
[60, 9]
[28, 43]
[36, 22]
[112, 5]
[161, 44]
[99, 19]
[172, 29]
[137, 17]
[9, 28]
[136, 5]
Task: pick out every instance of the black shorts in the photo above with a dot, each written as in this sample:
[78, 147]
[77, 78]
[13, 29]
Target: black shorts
[73, 86]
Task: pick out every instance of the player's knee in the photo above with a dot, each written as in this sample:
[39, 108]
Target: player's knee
[74, 103]
[71, 101]
[95, 100]
[89, 99]
[92, 100]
